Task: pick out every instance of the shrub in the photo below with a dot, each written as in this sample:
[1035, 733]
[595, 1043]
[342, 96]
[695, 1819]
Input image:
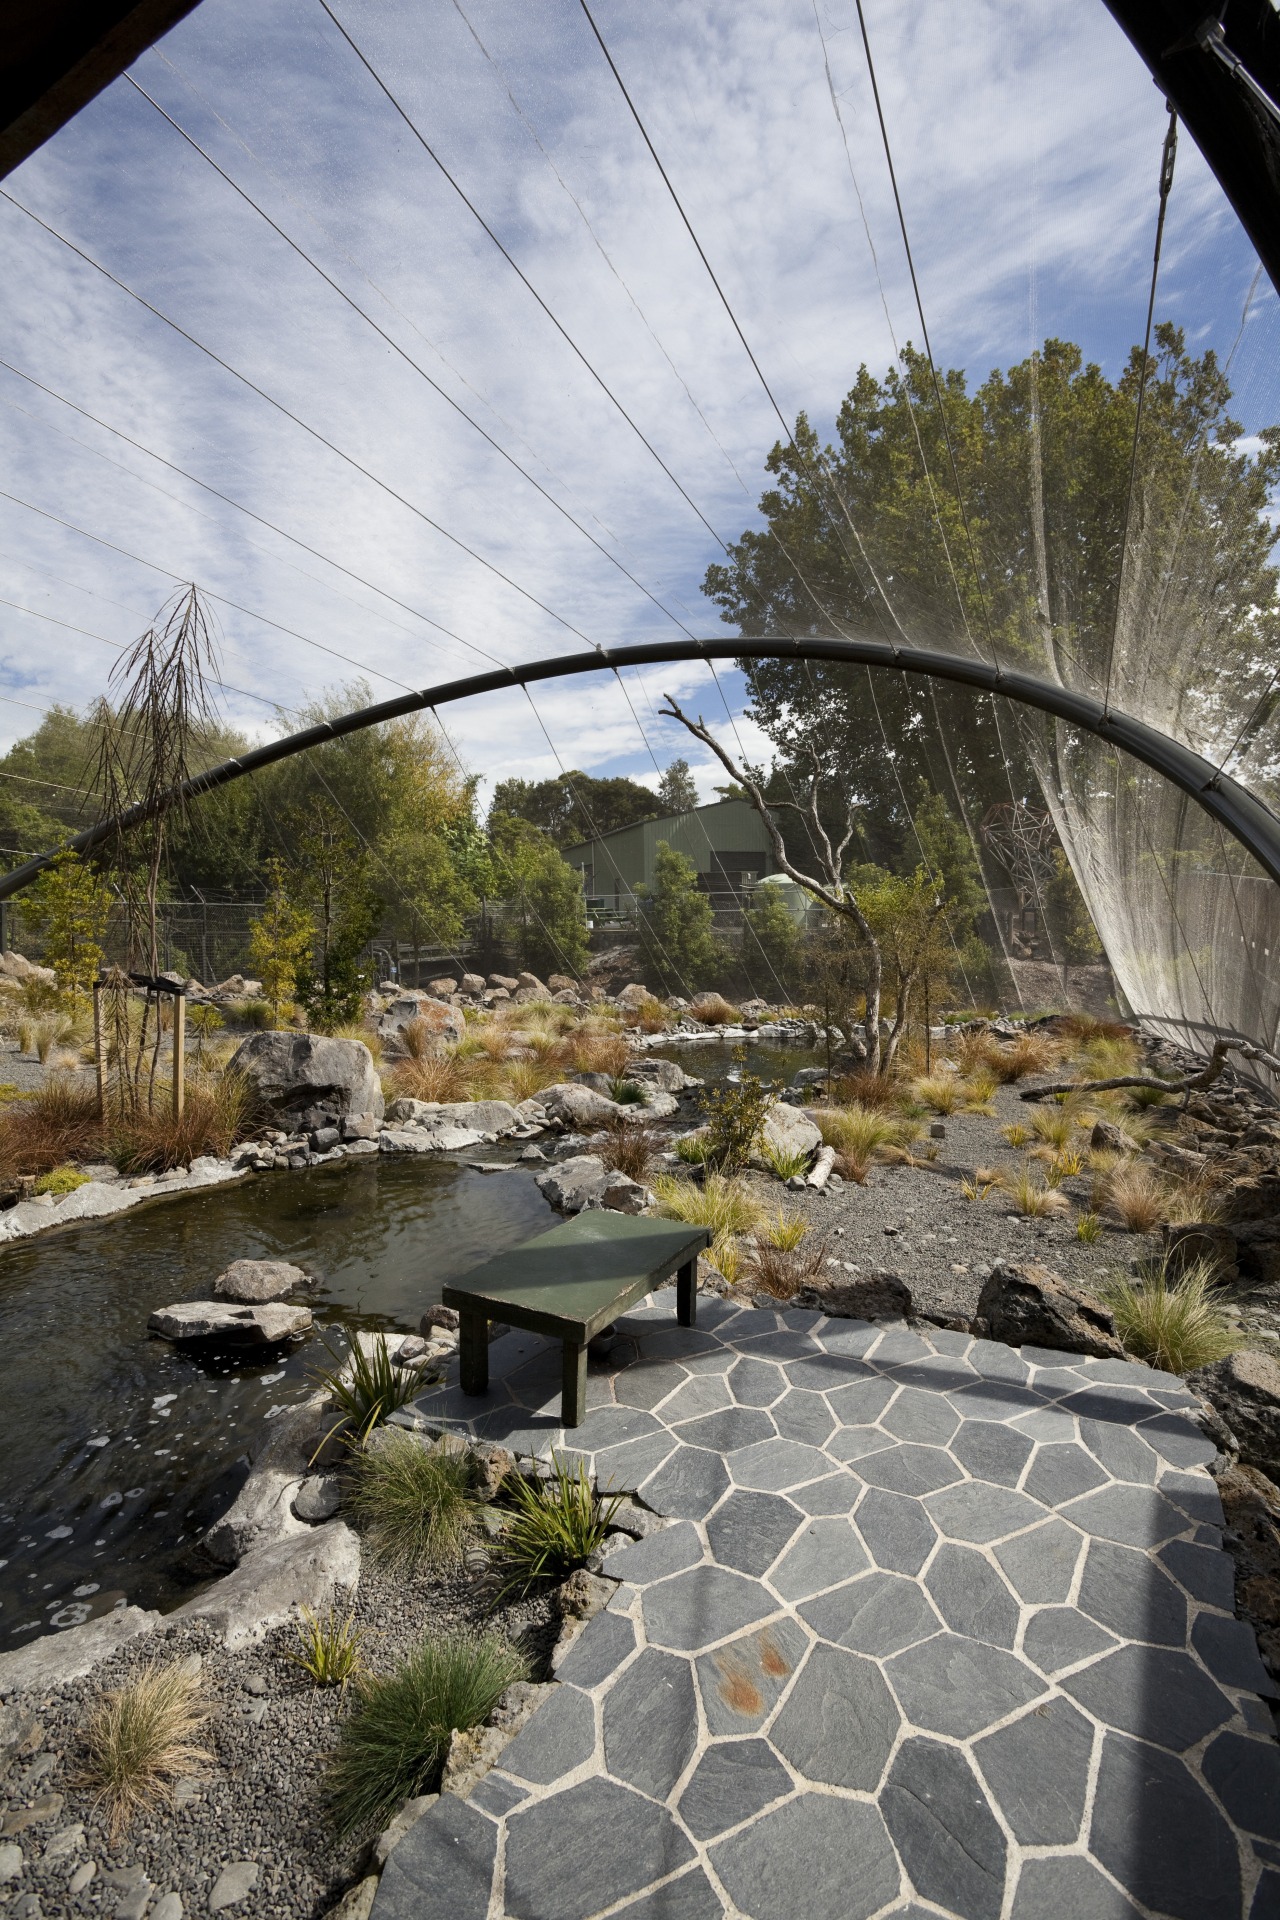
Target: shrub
[368, 1387]
[631, 1150]
[61, 1180]
[141, 1738]
[1138, 1196]
[214, 1115]
[56, 1124]
[329, 1650]
[555, 1526]
[735, 1115]
[1177, 1327]
[415, 1503]
[393, 1746]
[1033, 1197]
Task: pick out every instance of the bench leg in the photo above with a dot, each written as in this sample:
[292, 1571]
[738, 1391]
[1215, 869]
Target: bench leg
[573, 1397]
[687, 1294]
[473, 1352]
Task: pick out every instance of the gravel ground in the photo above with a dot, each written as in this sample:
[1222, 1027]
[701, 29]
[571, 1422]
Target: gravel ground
[261, 1802]
[914, 1221]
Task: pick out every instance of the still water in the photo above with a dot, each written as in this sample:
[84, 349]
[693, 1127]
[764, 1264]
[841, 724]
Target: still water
[117, 1448]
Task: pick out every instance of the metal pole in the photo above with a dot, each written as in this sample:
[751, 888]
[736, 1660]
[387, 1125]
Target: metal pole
[179, 1052]
[99, 1050]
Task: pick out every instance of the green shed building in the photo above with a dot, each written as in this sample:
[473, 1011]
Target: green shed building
[727, 843]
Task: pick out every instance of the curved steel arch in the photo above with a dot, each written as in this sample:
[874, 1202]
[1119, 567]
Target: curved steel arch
[1224, 799]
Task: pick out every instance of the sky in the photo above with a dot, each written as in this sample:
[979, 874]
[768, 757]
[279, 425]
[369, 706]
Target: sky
[478, 458]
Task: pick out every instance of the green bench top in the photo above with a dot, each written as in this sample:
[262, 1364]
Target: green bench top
[575, 1279]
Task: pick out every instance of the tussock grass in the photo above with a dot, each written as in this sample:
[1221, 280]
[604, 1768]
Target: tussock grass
[877, 1092]
[1106, 1058]
[394, 1744]
[216, 1111]
[694, 1148]
[414, 1503]
[716, 1011]
[782, 1271]
[1017, 1135]
[859, 1134]
[786, 1162]
[1088, 1228]
[721, 1203]
[1033, 1197]
[58, 1123]
[784, 1230]
[1136, 1195]
[443, 1078]
[1177, 1326]
[141, 1739]
[943, 1093]
[1055, 1126]
[525, 1079]
[627, 1093]
[590, 1050]
[555, 1526]
[367, 1385]
[329, 1650]
[632, 1150]
[985, 1180]
[1014, 1060]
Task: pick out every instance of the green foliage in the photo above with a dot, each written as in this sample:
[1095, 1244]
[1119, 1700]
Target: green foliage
[332, 875]
[60, 1180]
[368, 1385]
[681, 952]
[392, 1748]
[1088, 1228]
[786, 1162]
[676, 790]
[555, 1526]
[330, 1649]
[140, 1739]
[204, 1021]
[280, 941]
[67, 907]
[1172, 1323]
[414, 1503]
[547, 916]
[1071, 923]
[724, 1206]
[575, 806]
[627, 1093]
[735, 1113]
[772, 940]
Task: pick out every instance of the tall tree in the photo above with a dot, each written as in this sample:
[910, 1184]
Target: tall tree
[576, 806]
[676, 791]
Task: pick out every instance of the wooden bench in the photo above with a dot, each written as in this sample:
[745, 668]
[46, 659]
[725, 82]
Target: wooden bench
[572, 1283]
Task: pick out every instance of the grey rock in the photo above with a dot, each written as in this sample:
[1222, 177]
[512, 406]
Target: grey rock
[585, 1849]
[167, 1907]
[1125, 1591]
[734, 1781]
[234, 1884]
[58, 1657]
[898, 1532]
[749, 1530]
[1069, 1887]
[1038, 1770]
[391, 1836]
[560, 1736]
[263, 1325]
[1155, 1828]
[699, 1607]
[840, 1721]
[318, 1498]
[81, 1877]
[253, 1281]
[264, 1509]
[878, 1295]
[10, 1861]
[794, 1863]
[688, 1484]
[956, 1686]
[1245, 1775]
[293, 1071]
[1030, 1305]
[1245, 1390]
[949, 1839]
[971, 1596]
[1155, 1693]
[357, 1902]
[580, 1108]
[66, 1840]
[583, 1183]
[741, 1682]
[271, 1581]
[588, 1654]
[650, 1723]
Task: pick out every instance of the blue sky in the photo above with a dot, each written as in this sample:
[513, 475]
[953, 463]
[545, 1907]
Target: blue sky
[1027, 138]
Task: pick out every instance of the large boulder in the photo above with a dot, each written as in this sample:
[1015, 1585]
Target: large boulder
[584, 1184]
[305, 1569]
[444, 1024]
[858, 1296]
[786, 1130]
[55, 1658]
[260, 1325]
[263, 1510]
[253, 1281]
[1245, 1390]
[581, 1107]
[653, 1071]
[479, 1116]
[291, 1072]
[1027, 1305]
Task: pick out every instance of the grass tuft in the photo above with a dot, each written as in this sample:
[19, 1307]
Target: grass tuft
[414, 1503]
[1088, 1228]
[367, 1385]
[441, 1078]
[393, 1746]
[626, 1093]
[58, 1123]
[786, 1162]
[631, 1150]
[555, 1526]
[1137, 1195]
[61, 1180]
[723, 1204]
[141, 1738]
[1178, 1327]
[859, 1133]
[1033, 1197]
[214, 1114]
[784, 1230]
[716, 1011]
[329, 1649]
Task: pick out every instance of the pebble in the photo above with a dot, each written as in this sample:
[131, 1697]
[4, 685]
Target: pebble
[82, 1876]
[256, 1683]
[47, 1807]
[234, 1884]
[167, 1907]
[28, 1908]
[66, 1840]
[10, 1862]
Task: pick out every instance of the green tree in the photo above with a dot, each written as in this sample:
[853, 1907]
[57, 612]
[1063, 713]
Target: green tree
[676, 791]
[547, 913]
[331, 875]
[576, 806]
[280, 941]
[908, 916]
[67, 908]
[772, 940]
[677, 937]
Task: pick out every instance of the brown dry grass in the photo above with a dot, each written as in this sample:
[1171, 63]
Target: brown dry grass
[1029, 1053]
[141, 1739]
[716, 1011]
[631, 1149]
[875, 1090]
[1137, 1196]
[782, 1271]
[57, 1123]
[215, 1113]
[442, 1078]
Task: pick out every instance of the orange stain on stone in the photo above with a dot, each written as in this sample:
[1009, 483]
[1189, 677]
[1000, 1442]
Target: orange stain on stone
[738, 1690]
[772, 1659]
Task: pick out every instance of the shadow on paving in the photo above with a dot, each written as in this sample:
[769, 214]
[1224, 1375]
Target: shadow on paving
[932, 1620]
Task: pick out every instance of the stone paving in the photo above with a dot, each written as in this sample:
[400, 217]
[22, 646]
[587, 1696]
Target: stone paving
[935, 1627]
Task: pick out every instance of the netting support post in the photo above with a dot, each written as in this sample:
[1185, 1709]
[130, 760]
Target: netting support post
[179, 1052]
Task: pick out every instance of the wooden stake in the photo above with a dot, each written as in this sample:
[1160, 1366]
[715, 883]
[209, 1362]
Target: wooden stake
[179, 1052]
[100, 1050]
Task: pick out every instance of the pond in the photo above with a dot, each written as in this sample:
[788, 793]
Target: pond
[119, 1449]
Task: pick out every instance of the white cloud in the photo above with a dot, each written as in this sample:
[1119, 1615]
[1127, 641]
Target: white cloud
[1026, 137]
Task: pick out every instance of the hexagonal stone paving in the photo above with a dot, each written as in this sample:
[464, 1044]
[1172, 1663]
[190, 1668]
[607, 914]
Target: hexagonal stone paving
[930, 1626]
